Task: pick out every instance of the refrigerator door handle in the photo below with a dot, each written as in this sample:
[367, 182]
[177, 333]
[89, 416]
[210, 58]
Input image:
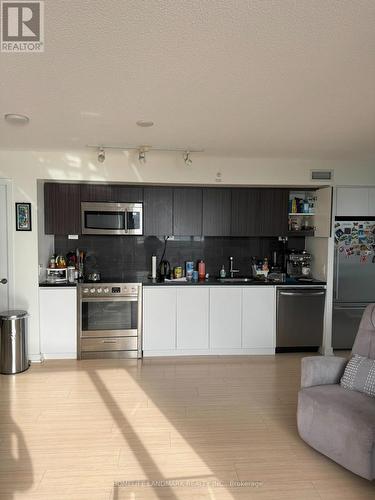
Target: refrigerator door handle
[358, 307]
[336, 281]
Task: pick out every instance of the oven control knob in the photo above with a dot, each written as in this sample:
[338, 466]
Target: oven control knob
[92, 290]
[85, 290]
[106, 290]
[99, 290]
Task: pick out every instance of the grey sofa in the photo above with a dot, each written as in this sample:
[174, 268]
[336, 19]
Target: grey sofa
[338, 422]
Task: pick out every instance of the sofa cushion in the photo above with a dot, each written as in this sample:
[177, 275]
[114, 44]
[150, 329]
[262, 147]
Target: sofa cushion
[341, 424]
[364, 343]
[359, 375]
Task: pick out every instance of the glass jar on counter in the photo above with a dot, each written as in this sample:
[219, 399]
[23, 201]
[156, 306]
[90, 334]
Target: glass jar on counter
[71, 274]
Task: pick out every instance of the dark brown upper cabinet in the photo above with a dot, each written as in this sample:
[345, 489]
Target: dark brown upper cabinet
[96, 192]
[111, 192]
[187, 211]
[127, 194]
[62, 210]
[259, 212]
[158, 211]
[273, 212]
[217, 211]
[245, 212]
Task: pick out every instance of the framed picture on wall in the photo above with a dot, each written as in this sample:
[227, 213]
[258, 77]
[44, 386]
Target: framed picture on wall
[23, 216]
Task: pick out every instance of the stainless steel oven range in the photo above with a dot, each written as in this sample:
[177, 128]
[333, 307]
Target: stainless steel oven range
[109, 320]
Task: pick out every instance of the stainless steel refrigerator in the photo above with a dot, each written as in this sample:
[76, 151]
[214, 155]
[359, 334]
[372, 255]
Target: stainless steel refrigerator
[354, 285]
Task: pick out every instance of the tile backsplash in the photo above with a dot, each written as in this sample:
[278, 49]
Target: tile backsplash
[114, 256]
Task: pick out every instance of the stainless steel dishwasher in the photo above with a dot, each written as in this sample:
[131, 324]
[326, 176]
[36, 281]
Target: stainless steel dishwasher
[300, 314]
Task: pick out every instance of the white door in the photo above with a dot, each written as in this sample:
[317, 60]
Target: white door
[4, 275]
[322, 217]
[159, 318]
[371, 200]
[258, 318]
[225, 317]
[58, 338]
[192, 317]
[352, 202]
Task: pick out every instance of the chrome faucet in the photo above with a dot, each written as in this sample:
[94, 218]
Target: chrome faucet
[231, 270]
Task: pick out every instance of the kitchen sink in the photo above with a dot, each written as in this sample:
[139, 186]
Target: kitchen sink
[235, 280]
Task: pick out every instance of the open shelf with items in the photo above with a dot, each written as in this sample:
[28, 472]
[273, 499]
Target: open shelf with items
[301, 212]
[301, 233]
[309, 212]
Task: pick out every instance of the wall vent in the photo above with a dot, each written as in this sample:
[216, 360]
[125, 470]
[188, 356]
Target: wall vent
[321, 175]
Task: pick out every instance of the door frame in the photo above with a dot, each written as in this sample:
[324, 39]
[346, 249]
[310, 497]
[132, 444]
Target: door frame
[10, 238]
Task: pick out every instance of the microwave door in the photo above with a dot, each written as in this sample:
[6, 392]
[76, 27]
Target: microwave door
[133, 221]
[104, 222]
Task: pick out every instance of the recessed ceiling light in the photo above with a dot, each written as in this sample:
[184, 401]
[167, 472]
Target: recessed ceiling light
[144, 123]
[16, 119]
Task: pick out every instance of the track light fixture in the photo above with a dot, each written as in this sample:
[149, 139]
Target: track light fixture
[142, 155]
[101, 155]
[188, 161]
[142, 150]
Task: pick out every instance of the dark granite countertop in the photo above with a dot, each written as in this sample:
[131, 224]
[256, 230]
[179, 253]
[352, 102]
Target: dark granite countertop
[48, 284]
[254, 282]
[145, 281]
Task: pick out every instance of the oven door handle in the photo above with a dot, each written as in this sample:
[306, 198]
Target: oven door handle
[109, 299]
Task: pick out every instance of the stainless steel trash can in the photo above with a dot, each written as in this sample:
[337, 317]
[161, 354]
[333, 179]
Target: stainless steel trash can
[13, 342]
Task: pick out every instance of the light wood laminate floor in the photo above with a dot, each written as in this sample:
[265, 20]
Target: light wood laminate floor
[186, 426]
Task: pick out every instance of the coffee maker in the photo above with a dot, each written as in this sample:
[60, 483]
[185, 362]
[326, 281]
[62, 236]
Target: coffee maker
[299, 264]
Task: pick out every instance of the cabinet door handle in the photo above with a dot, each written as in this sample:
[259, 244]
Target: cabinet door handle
[4, 281]
[109, 341]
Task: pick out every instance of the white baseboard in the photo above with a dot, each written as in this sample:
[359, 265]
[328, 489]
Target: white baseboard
[35, 358]
[212, 352]
[60, 355]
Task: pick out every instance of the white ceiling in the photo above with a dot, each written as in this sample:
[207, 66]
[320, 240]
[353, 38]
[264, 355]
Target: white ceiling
[253, 78]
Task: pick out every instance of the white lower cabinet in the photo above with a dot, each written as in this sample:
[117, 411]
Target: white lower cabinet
[58, 322]
[225, 317]
[186, 320]
[159, 319]
[258, 318]
[192, 317]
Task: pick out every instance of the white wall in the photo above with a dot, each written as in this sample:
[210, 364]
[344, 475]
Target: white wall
[46, 242]
[25, 167]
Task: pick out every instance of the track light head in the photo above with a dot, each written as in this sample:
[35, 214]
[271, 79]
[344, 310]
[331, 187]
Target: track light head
[142, 155]
[188, 161]
[101, 155]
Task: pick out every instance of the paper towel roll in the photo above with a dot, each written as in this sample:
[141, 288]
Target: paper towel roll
[153, 266]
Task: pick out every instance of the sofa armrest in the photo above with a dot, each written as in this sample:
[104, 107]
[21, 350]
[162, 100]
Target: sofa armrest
[321, 370]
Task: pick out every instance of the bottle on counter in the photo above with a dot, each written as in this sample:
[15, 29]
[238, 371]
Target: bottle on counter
[189, 268]
[177, 272]
[222, 272]
[265, 266]
[201, 270]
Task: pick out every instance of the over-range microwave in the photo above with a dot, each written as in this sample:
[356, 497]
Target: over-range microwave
[112, 218]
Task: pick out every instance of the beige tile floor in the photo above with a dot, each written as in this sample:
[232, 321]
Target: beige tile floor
[186, 426]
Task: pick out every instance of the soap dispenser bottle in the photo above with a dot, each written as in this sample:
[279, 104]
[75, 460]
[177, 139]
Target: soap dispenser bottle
[222, 272]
